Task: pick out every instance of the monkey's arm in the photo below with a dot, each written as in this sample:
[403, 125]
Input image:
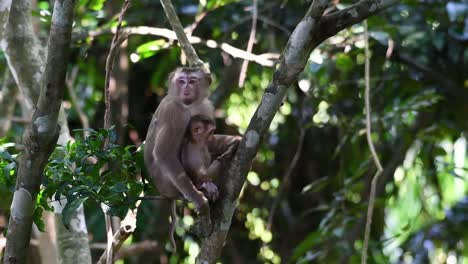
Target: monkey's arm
[222, 147]
[173, 119]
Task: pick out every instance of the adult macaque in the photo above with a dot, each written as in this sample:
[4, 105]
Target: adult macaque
[187, 97]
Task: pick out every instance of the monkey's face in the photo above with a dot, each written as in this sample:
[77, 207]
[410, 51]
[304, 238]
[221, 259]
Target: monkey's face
[201, 131]
[187, 87]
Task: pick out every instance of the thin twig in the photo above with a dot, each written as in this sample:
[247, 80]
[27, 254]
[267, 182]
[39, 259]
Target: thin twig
[189, 31]
[116, 42]
[127, 227]
[110, 238]
[370, 207]
[198, 18]
[147, 198]
[287, 176]
[250, 43]
[187, 48]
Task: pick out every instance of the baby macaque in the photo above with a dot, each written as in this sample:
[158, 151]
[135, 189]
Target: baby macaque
[196, 157]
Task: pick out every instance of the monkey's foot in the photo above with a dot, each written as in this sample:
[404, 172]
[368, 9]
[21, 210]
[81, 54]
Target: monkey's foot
[202, 227]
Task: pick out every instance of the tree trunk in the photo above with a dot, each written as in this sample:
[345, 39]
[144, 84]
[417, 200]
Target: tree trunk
[73, 246]
[42, 133]
[23, 51]
[7, 103]
[46, 240]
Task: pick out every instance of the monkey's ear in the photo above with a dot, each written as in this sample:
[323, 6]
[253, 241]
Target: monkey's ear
[172, 89]
[208, 78]
[171, 75]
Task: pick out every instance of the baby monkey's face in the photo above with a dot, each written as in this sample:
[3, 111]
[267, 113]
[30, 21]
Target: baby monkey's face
[201, 131]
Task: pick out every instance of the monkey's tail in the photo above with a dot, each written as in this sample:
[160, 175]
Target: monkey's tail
[173, 225]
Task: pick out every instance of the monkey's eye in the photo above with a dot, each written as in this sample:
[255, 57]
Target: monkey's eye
[180, 81]
[192, 81]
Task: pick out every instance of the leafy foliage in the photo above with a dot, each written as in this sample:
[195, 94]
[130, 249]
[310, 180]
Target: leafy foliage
[7, 173]
[83, 170]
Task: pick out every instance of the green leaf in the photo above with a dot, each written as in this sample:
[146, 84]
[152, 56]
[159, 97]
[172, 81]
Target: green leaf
[307, 244]
[70, 208]
[37, 218]
[119, 188]
[97, 5]
[150, 48]
[344, 63]
[4, 154]
[9, 170]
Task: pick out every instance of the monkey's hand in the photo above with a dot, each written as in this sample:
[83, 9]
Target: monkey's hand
[227, 156]
[210, 190]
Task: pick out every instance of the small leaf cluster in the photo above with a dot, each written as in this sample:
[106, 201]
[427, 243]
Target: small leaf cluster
[7, 165]
[8, 171]
[86, 170]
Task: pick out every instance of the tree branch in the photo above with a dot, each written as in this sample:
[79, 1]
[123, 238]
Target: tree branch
[335, 22]
[42, 134]
[23, 52]
[70, 81]
[117, 40]
[293, 61]
[130, 250]
[266, 59]
[7, 102]
[309, 33]
[370, 208]
[250, 43]
[127, 227]
[4, 13]
[287, 176]
[189, 51]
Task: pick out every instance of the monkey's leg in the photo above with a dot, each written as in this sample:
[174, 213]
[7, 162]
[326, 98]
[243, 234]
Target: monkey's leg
[185, 186]
[188, 190]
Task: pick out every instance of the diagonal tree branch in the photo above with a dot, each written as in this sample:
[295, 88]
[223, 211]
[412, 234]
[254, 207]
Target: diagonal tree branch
[293, 61]
[335, 22]
[188, 49]
[309, 33]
